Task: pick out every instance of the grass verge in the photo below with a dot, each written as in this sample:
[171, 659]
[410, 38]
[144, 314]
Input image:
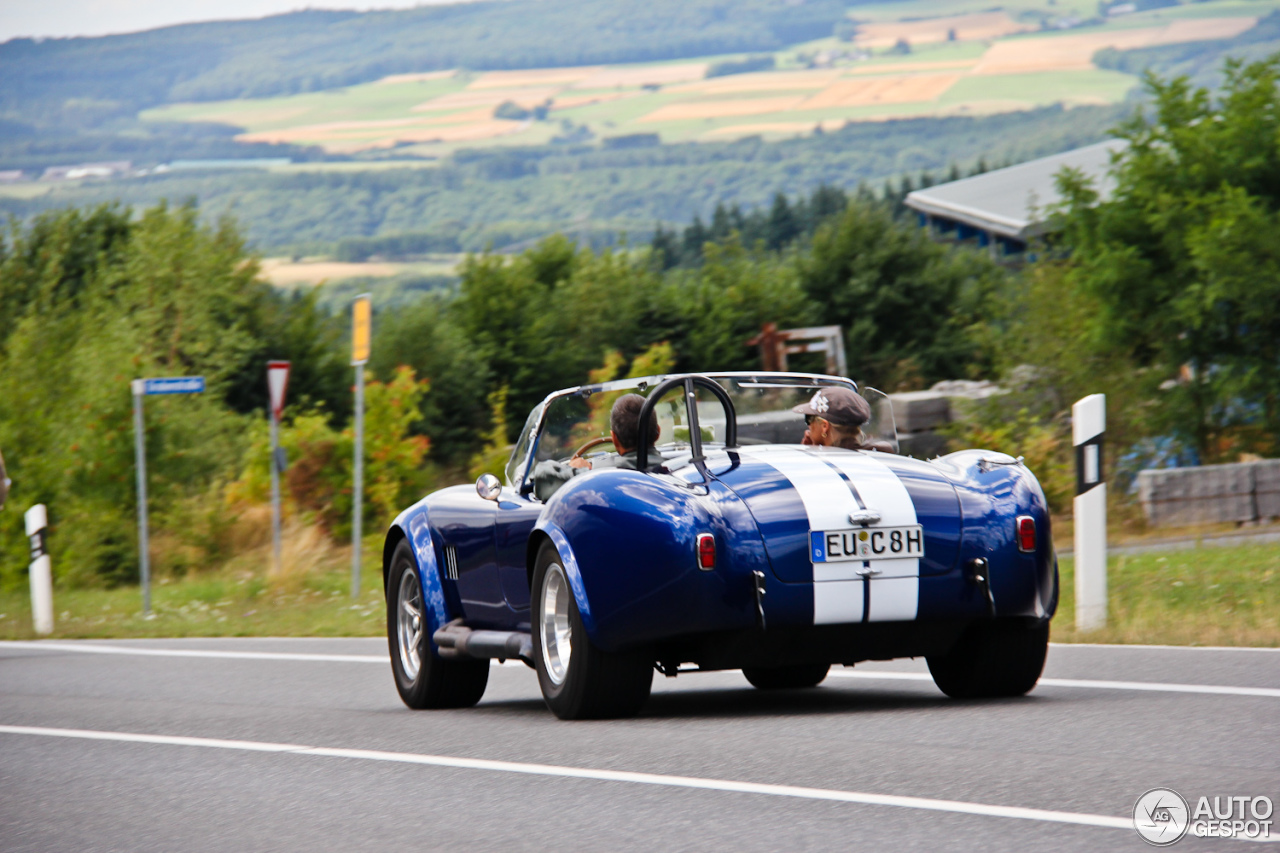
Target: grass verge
[1197, 597]
[1227, 596]
[309, 597]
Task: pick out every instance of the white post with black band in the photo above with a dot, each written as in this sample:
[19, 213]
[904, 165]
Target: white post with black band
[41, 571]
[1088, 426]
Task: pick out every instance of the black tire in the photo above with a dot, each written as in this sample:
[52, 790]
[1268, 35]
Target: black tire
[424, 681]
[993, 660]
[786, 677]
[592, 683]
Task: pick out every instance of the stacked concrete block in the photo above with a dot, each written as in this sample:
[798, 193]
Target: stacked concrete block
[1266, 488]
[920, 414]
[1208, 494]
[917, 411]
[917, 414]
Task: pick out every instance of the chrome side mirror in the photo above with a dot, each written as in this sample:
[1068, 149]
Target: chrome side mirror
[488, 487]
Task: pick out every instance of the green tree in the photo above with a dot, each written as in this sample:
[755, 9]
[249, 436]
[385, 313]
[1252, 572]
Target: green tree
[101, 299]
[426, 338]
[914, 311]
[1181, 259]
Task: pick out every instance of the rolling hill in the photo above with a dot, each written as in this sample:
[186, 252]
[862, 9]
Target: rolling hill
[495, 122]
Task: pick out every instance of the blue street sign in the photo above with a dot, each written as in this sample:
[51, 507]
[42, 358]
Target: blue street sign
[174, 385]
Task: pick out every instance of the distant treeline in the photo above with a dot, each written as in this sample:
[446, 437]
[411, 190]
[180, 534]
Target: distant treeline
[504, 196]
[357, 249]
[742, 66]
[784, 223]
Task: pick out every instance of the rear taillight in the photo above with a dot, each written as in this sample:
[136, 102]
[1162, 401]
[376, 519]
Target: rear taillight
[1026, 526]
[706, 551]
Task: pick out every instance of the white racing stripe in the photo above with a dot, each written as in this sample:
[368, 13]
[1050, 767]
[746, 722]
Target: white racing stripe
[624, 776]
[838, 588]
[895, 595]
[1152, 686]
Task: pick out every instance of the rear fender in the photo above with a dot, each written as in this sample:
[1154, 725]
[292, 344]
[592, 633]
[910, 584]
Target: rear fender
[413, 526]
[628, 541]
[991, 497]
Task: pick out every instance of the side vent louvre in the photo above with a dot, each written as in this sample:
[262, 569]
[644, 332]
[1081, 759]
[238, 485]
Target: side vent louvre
[451, 562]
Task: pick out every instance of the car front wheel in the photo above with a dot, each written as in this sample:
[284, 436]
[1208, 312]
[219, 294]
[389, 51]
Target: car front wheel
[423, 679]
[992, 660]
[578, 679]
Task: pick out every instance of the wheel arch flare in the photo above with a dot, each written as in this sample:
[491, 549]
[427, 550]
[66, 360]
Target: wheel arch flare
[413, 526]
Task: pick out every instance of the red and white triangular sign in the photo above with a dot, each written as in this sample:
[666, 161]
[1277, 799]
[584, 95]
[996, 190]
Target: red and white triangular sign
[277, 383]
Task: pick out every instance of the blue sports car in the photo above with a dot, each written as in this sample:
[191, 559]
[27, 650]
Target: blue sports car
[704, 532]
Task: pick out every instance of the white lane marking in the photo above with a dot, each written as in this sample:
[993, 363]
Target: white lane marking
[49, 645]
[923, 803]
[1153, 686]
[1167, 648]
[88, 648]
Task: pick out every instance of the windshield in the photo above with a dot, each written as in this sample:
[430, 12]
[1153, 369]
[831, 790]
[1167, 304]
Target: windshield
[763, 402]
[574, 421]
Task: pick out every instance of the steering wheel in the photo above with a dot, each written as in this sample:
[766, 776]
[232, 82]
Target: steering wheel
[595, 442]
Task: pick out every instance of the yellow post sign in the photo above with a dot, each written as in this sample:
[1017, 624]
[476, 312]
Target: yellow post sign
[361, 329]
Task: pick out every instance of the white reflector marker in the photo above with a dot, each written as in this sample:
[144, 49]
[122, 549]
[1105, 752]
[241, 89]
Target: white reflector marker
[41, 569]
[1088, 426]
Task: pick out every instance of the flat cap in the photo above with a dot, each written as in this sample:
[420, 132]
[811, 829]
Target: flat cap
[840, 406]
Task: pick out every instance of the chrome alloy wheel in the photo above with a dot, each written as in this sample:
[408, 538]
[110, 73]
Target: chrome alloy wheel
[410, 622]
[557, 634]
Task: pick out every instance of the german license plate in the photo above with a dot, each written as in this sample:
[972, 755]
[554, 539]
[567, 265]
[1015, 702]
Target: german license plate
[866, 543]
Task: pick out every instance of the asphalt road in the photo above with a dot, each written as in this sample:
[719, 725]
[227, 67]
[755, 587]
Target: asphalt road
[290, 744]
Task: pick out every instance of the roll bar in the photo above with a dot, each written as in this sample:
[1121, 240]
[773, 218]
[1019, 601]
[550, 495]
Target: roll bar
[689, 383]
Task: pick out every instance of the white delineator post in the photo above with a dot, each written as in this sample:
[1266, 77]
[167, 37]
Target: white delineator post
[1088, 426]
[277, 383]
[41, 571]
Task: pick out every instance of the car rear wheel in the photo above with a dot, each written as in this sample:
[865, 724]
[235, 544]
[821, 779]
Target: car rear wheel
[578, 679]
[786, 677]
[993, 659]
[423, 679]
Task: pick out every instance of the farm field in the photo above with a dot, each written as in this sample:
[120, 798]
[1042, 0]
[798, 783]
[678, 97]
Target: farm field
[964, 59]
[287, 273]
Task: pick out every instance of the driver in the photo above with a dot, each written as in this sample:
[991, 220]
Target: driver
[624, 430]
[834, 417]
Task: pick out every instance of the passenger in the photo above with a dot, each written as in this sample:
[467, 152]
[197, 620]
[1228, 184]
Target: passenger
[624, 429]
[834, 417]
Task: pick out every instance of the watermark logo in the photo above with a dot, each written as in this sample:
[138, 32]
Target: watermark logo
[1233, 817]
[1161, 816]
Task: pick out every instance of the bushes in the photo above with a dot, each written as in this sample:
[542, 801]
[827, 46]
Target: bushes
[318, 481]
[92, 300]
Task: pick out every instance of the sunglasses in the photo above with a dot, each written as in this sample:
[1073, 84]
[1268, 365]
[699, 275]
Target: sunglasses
[809, 419]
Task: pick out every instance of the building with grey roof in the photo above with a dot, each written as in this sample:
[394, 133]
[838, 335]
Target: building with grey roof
[1006, 208]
